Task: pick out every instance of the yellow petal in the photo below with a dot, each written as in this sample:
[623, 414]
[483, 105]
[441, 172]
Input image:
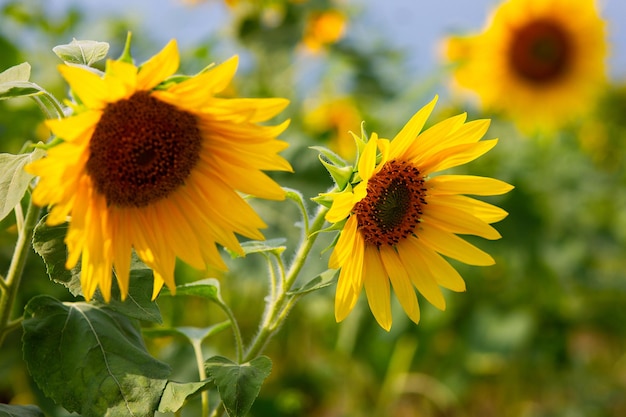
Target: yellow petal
[124, 74]
[432, 136]
[376, 284]
[412, 256]
[458, 221]
[407, 136]
[350, 283]
[440, 270]
[197, 89]
[120, 229]
[74, 127]
[345, 243]
[467, 184]
[92, 90]
[453, 246]
[457, 155]
[159, 67]
[484, 211]
[341, 208]
[401, 282]
[367, 161]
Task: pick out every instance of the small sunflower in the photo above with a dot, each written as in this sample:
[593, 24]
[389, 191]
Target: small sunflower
[399, 221]
[154, 165]
[540, 61]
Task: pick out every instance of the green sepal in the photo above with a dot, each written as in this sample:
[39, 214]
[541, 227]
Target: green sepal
[82, 52]
[338, 169]
[322, 280]
[275, 246]
[126, 55]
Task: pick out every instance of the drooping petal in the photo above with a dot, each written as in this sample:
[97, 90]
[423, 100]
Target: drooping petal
[412, 256]
[376, 282]
[401, 282]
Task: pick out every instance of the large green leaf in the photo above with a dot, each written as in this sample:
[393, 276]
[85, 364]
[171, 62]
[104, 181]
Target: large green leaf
[48, 242]
[7, 410]
[14, 180]
[238, 385]
[91, 359]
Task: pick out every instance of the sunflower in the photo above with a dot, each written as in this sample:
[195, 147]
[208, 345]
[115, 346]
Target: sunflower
[535, 61]
[399, 220]
[154, 164]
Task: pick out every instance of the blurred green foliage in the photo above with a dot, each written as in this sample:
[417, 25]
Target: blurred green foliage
[541, 333]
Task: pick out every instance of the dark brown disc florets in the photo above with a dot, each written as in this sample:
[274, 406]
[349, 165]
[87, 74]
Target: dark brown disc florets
[541, 51]
[141, 150]
[393, 206]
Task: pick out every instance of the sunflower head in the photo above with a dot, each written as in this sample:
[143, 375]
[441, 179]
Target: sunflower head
[534, 61]
[396, 220]
[155, 163]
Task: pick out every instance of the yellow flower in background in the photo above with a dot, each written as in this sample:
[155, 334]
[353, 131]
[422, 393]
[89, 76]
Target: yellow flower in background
[399, 220]
[334, 118]
[156, 167]
[324, 28]
[542, 62]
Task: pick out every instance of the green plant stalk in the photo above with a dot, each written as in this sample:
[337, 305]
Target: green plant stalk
[16, 269]
[197, 350]
[278, 309]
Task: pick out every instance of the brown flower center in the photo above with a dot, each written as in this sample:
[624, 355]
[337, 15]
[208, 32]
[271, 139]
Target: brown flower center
[541, 51]
[142, 149]
[393, 205]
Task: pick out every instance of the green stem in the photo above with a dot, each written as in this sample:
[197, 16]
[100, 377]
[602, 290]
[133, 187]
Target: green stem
[16, 269]
[236, 329]
[197, 350]
[276, 311]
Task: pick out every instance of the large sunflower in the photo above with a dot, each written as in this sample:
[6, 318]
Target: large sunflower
[540, 61]
[154, 166]
[399, 221]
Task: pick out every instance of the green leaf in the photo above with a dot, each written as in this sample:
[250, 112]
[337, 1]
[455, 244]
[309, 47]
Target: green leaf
[14, 82]
[7, 410]
[20, 72]
[82, 52]
[192, 334]
[275, 246]
[205, 288]
[48, 242]
[176, 393]
[91, 359]
[321, 281]
[238, 385]
[14, 180]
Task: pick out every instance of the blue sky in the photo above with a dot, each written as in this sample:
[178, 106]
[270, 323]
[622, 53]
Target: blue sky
[415, 26]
